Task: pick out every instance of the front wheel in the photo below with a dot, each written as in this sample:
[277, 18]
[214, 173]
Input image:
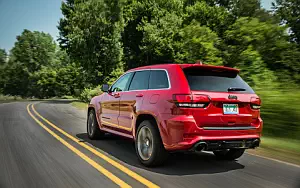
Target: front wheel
[229, 154]
[93, 130]
[148, 144]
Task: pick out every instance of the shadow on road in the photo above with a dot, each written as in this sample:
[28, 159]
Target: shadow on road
[177, 164]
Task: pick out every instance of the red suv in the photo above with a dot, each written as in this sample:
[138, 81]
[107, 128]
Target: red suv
[179, 107]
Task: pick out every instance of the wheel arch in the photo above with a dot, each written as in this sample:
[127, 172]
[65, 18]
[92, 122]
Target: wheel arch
[142, 117]
[92, 107]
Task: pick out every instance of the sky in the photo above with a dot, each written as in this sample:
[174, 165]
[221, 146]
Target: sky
[36, 15]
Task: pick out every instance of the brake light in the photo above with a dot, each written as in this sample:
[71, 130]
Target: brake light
[191, 101]
[255, 103]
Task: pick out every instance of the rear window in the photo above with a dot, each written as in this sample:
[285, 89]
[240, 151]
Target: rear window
[140, 80]
[158, 79]
[215, 80]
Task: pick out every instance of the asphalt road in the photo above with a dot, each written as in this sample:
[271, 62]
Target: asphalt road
[35, 154]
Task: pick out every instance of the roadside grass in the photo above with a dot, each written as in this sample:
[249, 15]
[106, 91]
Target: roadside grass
[280, 112]
[287, 150]
[282, 144]
[281, 115]
[62, 97]
[79, 105]
[8, 98]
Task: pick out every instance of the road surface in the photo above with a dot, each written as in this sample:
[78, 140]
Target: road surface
[49, 147]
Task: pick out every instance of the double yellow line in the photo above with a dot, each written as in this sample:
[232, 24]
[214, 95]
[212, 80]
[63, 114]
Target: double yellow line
[101, 169]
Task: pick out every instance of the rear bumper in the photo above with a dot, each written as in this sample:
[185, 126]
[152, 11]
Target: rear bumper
[182, 133]
[225, 144]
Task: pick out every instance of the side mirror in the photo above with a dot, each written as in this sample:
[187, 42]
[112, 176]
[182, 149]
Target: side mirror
[105, 87]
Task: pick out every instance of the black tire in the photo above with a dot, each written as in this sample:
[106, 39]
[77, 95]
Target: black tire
[159, 154]
[93, 131]
[230, 154]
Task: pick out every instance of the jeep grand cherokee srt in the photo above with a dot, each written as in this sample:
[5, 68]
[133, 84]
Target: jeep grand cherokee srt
[179, 107]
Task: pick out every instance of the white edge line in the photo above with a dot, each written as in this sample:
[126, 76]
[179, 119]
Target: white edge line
[276, 160]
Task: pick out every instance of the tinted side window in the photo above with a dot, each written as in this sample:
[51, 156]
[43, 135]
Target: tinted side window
[158, 79]
[140, 80]
[122, 83]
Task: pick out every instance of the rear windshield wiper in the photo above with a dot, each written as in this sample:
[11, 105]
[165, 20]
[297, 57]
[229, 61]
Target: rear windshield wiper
[236, 89]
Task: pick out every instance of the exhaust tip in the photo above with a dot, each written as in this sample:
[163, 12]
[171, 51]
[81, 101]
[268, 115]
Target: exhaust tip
[200, 147]
[255, 143]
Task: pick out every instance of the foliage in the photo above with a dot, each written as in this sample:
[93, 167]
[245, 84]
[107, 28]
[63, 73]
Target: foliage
[198, 42]
[3, 59]
[281, 114]
[3, 56]
[217, 18]
[90, 32]
[242, 8]
[270, 42]
[254, 71]
[7, 98]
[289, 12]
[37, 67]
[31, 51]
[88, 93]
[149, 31]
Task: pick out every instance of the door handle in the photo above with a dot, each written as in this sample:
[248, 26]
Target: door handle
[117, 95]
[139, 95]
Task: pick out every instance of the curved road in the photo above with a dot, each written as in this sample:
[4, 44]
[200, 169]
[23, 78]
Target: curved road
[52, 150]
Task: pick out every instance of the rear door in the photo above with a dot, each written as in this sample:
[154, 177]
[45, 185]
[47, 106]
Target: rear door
[230, 99]
[131, 100]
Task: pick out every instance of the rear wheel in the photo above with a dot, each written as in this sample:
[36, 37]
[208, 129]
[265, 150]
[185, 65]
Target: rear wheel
[229, 154]
[149, 146]
[93, 130]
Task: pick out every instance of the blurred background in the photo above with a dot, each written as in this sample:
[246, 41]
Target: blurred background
[96, 41]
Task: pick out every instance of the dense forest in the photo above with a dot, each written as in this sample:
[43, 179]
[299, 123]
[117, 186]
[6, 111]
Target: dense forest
[100, 39]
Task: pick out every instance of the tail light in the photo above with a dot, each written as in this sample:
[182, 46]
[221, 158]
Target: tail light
[255, 103]
[191, 101]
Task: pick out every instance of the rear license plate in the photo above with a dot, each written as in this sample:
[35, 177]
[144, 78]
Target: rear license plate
[230, 108]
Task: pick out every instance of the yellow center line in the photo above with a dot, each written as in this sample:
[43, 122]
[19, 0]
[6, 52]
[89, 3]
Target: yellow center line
[104, 157]
[105, 172]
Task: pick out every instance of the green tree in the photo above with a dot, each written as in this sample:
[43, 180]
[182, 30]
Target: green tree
[3, 57]
[198, 42]
[254, 70]
[64, 27]
[31, 51]
[90, 32]
[150, 28]
[217, 18]
[269, 40]
[61, 77]
[159, 37]
[289, 12]
[243, 8]
[100, 35]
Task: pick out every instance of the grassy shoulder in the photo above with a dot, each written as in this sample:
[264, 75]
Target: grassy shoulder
[280, 112]
[80, 105]
[7, 99]
[287, 150]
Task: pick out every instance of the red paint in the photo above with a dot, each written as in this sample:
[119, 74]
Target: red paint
[180, 128]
